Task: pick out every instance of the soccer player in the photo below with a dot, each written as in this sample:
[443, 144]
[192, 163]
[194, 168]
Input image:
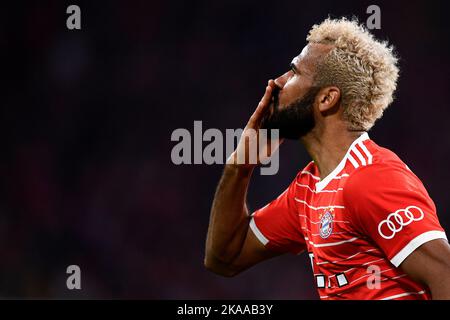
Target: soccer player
[366, 221]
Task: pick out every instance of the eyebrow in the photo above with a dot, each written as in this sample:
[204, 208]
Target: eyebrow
[293, 67]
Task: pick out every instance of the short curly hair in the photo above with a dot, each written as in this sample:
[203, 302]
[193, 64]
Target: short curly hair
[363, 68]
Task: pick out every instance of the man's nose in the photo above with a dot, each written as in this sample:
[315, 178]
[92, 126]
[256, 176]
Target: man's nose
[281, 81]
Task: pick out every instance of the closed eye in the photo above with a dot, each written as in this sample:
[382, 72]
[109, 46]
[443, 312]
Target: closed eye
[294, 68]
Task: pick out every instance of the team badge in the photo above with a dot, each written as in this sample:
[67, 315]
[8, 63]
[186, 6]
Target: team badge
[326, 225]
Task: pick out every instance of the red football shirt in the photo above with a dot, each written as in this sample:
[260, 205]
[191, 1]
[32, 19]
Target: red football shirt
[358, 224]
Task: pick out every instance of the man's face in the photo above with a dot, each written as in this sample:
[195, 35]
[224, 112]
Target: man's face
[292, 108]
[294, 120]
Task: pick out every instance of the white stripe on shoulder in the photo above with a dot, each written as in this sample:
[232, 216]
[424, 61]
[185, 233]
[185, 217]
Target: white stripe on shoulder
[360, 156]
[333, 175]
[367, 152]
[353, 161]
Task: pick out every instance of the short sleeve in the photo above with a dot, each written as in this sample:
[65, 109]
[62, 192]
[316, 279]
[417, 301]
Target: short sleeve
[277, 225]
[390, 205]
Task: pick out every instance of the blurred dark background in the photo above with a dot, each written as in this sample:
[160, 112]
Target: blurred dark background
[87, 116]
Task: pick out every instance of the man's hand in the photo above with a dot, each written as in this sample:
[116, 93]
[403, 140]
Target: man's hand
[249, 152]
[231, 246]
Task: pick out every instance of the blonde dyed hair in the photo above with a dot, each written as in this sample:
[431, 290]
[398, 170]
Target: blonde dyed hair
[363, 68]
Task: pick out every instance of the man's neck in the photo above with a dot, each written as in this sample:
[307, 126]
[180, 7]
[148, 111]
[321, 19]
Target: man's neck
[328, 147]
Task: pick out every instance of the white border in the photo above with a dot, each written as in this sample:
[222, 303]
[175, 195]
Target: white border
[415, 243]
[258, 233]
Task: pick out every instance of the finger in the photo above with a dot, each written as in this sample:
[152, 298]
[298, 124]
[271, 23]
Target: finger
[262, 106]
[271, 83]
[265, 100]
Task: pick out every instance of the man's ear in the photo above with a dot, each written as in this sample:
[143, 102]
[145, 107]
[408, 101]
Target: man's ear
[328, 98]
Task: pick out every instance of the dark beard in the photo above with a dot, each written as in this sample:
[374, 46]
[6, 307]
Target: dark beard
[294, 120]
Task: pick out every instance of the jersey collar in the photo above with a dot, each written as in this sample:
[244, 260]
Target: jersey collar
[323, 183]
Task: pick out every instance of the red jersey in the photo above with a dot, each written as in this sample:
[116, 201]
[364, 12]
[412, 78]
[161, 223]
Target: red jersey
[358, 224]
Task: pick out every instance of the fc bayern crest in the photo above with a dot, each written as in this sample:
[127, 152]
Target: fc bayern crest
[326, 225]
